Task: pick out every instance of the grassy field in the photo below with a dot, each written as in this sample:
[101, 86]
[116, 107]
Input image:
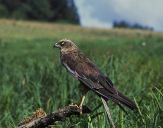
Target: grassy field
[31, 75]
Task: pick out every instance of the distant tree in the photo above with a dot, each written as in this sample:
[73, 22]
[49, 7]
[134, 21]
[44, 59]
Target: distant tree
[39, 9]
[3, 11]
[72, 14]
[45, 10]
[64, 9]
[125, 24]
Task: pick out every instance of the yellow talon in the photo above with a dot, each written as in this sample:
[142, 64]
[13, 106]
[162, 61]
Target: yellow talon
[80, 106]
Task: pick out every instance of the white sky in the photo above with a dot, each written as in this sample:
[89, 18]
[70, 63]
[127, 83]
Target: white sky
[101, 13]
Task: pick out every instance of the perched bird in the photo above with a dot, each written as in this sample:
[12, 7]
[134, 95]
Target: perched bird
[89, 75]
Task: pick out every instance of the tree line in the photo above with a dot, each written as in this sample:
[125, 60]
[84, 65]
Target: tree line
[125, 24]
[44, 10]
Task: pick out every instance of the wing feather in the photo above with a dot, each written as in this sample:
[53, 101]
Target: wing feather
[88, 73]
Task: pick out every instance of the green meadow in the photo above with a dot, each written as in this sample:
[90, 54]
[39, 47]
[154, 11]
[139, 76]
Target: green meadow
[32, 77]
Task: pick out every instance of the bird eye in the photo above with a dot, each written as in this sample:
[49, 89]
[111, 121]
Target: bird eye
[62, 43]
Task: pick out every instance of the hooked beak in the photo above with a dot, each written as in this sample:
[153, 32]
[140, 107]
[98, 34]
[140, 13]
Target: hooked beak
[56, 46]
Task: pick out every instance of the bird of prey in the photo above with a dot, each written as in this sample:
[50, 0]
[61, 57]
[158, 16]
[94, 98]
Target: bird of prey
[89, 75]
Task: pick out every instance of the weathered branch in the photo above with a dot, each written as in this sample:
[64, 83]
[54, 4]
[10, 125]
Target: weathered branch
[49, 119]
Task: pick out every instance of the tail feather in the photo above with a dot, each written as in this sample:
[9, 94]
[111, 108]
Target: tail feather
[126, 101]
[118, 98]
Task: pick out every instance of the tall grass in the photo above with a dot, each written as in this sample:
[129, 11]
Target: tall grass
[31, 75]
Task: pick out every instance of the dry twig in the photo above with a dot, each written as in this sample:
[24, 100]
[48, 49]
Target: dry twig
[40, 119]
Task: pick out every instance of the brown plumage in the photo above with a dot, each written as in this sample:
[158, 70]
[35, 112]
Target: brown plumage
[89, 75]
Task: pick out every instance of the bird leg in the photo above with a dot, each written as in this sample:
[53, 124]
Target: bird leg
[81, 104]
[84, 91]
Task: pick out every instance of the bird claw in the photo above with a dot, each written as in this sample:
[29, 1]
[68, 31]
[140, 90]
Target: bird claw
[78, 106]
[74, 105]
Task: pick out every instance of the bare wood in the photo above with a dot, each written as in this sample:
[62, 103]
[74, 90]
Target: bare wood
[60, 115]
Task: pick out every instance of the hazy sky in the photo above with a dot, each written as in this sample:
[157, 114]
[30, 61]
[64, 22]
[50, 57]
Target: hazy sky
[101, 13]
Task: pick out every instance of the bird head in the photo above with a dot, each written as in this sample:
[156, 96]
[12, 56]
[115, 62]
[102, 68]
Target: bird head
[65, 45]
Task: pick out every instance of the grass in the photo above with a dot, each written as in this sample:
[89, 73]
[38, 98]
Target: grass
[31, 75]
